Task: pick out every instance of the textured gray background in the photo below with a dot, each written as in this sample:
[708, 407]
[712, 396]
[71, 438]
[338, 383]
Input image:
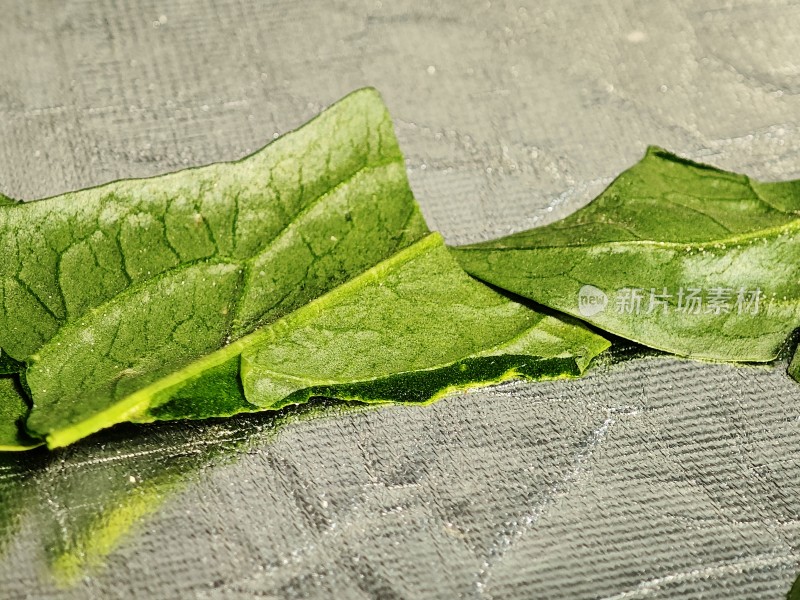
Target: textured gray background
[655, 478]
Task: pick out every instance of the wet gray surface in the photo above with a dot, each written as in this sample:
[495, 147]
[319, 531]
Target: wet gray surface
[655, 478]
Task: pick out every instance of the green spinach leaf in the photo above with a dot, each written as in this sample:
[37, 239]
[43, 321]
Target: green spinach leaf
[675, 255]
[156, 273]
[410, 329]
[262, 235]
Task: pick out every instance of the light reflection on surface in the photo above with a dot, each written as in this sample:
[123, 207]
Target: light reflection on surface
[85, 500]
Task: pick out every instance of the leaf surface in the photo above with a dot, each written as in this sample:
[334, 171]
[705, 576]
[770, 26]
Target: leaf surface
[410, 329]
[13, 410]
[295, 218]
[675, 255]
[109, 289]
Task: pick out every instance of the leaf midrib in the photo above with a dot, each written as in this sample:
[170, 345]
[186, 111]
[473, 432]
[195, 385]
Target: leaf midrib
[774, 231]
